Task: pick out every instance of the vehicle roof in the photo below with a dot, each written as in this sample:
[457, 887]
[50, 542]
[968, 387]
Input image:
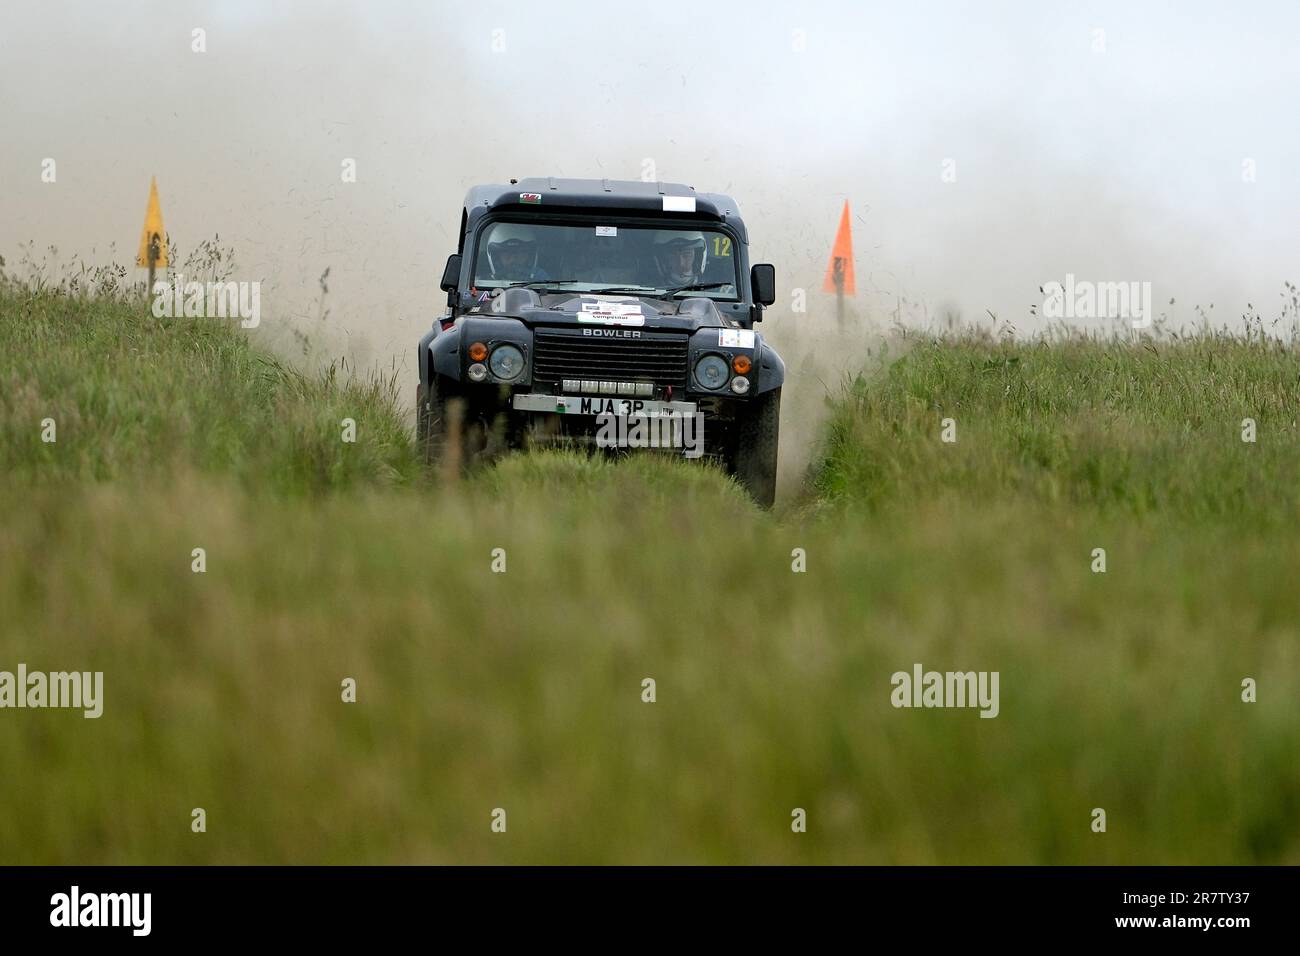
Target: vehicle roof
[671, 200]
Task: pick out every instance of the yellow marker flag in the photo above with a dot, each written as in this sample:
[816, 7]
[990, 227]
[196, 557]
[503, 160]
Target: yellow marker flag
[153, 231]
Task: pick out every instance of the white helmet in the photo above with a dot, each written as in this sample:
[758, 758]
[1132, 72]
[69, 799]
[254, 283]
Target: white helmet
[668, 241]
[509, 237]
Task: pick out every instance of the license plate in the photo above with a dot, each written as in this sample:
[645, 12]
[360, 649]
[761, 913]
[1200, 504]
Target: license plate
[626, 407]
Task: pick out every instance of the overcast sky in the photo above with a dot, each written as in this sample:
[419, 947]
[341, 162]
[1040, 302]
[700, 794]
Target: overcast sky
[1115, 155]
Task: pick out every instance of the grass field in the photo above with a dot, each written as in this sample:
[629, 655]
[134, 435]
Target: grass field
[522, 690]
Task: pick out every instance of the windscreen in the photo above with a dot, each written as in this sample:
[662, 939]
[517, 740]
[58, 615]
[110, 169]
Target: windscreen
[593, 256]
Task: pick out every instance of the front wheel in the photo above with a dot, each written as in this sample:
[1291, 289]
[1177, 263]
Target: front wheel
[753, 459]
[450, 430]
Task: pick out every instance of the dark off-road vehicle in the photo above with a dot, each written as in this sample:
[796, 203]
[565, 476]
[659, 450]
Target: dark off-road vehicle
[571, 301]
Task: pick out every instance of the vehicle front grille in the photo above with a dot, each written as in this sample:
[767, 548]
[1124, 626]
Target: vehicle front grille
[660, 358]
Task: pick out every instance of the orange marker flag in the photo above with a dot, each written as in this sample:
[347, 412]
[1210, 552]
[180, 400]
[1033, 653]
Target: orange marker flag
[839, 271]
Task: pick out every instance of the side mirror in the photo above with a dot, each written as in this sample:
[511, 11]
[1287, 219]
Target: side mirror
[762, 280]
[450, 273]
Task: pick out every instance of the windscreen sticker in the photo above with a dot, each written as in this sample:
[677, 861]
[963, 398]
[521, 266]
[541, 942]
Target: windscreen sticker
[530, 197]
[679, 204]
[736, 338]
[607, 230]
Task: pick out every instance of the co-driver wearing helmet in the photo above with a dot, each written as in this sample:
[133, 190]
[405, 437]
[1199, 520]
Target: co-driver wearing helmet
[512, 253]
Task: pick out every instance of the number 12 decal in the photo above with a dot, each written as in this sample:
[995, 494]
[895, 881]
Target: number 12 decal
[722, 247]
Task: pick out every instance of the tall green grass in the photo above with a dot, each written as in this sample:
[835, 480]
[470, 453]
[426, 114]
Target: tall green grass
[133, 395]
[1146, 428]
[523, 690]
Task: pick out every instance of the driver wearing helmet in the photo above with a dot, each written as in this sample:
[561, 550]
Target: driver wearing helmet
[512, 253]
[679, 257]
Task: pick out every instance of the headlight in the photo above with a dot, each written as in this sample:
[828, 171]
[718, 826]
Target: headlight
[711, 372]
[507, 362]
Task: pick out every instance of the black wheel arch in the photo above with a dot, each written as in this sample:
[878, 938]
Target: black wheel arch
[771, 370]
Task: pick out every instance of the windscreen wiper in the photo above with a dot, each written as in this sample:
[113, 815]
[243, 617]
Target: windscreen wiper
[622, 288]
[697, 287]
[533, 283]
